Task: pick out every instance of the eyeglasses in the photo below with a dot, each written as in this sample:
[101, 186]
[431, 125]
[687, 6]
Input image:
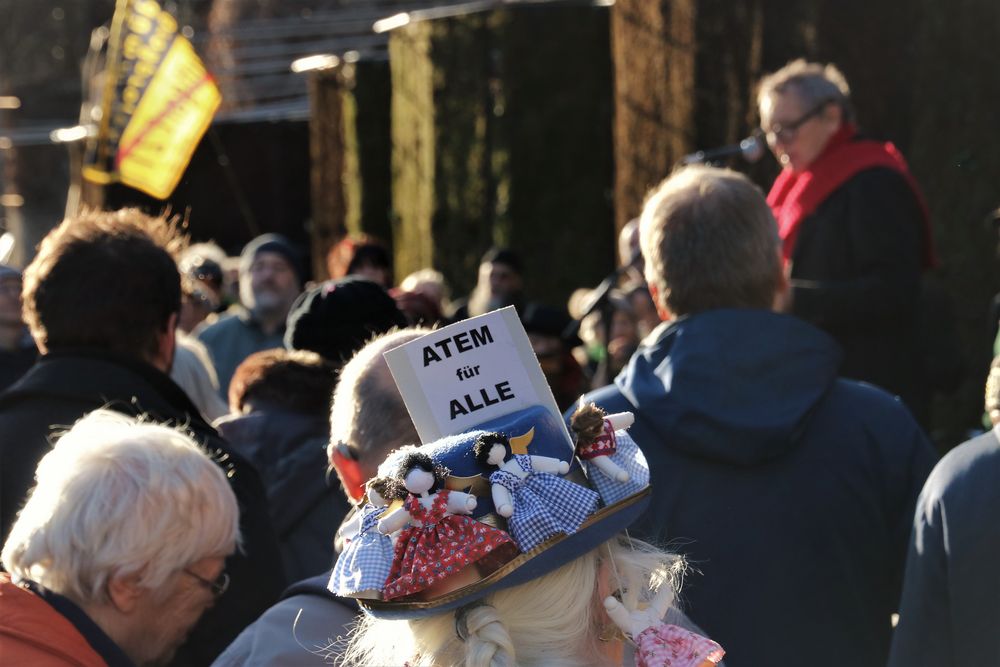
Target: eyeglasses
[218, 587]
[786, 133]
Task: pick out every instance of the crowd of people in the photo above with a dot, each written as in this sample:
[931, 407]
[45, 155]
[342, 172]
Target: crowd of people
[205, 459]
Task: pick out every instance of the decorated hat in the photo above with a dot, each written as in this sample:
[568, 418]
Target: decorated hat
[493, 507]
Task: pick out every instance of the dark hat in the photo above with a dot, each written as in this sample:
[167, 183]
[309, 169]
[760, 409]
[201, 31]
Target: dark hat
[548, 321]
[275, 243]
[336, 318]
[504, 256]
[203, 269]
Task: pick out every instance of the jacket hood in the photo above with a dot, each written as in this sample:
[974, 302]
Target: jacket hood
[735, 386]
[289, 450]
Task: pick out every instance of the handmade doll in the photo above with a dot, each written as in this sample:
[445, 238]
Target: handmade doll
[614, 464]
[527, 491]
[437, 539]
[364, 564]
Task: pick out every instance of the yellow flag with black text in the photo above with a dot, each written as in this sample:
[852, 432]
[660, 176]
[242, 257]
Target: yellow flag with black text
[158, 101]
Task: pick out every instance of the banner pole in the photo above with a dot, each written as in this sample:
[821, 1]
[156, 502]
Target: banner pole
[111, 68]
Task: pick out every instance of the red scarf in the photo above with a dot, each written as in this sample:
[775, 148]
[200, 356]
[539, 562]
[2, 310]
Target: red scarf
[796, 196]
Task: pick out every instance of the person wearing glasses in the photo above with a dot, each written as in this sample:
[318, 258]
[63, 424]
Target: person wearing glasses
[855, 230]
[119, 549]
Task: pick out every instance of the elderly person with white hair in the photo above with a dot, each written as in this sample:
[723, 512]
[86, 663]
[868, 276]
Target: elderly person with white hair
[119, 549]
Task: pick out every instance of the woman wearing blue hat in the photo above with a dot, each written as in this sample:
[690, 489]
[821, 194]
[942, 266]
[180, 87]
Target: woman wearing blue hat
[588, 595]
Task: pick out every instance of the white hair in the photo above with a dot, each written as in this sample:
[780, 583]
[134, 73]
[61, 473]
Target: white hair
[424, 278]
[815, 83]
[117, 496]
[556, 620]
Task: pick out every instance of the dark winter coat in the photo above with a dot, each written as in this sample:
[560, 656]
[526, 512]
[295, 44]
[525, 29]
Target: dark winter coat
[789, 491]
[61, 388]
[289, 450]
[855, 273]
[950, 612]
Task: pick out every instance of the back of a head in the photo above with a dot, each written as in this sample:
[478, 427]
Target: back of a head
[104, 279]
[368, 412]
[292, 380]
[353, 252]
[814, 83]
[710, 241]
[117, 496]
[505, 256]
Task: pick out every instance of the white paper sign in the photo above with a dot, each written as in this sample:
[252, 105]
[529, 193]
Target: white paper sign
[464, 374]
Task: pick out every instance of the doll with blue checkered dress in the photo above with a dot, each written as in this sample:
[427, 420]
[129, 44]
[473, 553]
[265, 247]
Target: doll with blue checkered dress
[529, 492]
[615, 465]
[363, 565]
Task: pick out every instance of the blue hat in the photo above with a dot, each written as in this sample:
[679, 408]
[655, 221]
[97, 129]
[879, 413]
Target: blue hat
[587, 519]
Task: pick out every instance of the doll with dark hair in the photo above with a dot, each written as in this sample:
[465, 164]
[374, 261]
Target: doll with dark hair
[614, 463]
[438, 540]
[364, 564]
[529, 493]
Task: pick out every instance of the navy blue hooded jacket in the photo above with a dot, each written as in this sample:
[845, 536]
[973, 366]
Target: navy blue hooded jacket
[790, 491]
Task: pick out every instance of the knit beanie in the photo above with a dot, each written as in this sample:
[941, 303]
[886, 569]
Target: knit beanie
[336, 318]
[277, 244]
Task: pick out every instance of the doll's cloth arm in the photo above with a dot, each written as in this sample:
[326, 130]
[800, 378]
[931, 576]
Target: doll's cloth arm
[350, 529]
[620, 420]
[610, 468]
[460, 502]
[393, 522]
[549, 464]
[659, 644]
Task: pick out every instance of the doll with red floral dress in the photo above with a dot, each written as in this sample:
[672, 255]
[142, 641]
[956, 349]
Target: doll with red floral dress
[437, 538]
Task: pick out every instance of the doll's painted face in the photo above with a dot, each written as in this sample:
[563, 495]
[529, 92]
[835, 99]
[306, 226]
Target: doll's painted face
[418, 481]
[497, 455]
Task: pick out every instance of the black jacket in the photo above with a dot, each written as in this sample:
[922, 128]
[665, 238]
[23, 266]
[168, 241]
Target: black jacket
[790, 491]
[856, 271]
[289, 450]
[61, 388]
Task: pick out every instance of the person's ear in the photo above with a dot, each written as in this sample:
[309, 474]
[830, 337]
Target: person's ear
[782, 302]
[124, 591]
[166, 341]
[661, 308]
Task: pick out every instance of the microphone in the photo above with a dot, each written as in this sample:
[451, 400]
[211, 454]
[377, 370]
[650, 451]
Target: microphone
[751, 149]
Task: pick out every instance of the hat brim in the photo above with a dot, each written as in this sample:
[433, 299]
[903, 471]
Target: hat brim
[546, 557]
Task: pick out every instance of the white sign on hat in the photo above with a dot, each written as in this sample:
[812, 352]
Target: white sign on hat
[467, 373]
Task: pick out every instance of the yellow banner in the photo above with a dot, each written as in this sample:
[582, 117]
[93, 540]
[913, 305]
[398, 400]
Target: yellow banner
[158, 104]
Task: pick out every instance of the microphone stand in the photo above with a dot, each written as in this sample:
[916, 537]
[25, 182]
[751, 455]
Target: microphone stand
[600, 300]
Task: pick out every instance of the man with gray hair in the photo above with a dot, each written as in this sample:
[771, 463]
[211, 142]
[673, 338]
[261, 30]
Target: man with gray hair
[368, 419]
[789, 489]
[120, 548]
[271, 278]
